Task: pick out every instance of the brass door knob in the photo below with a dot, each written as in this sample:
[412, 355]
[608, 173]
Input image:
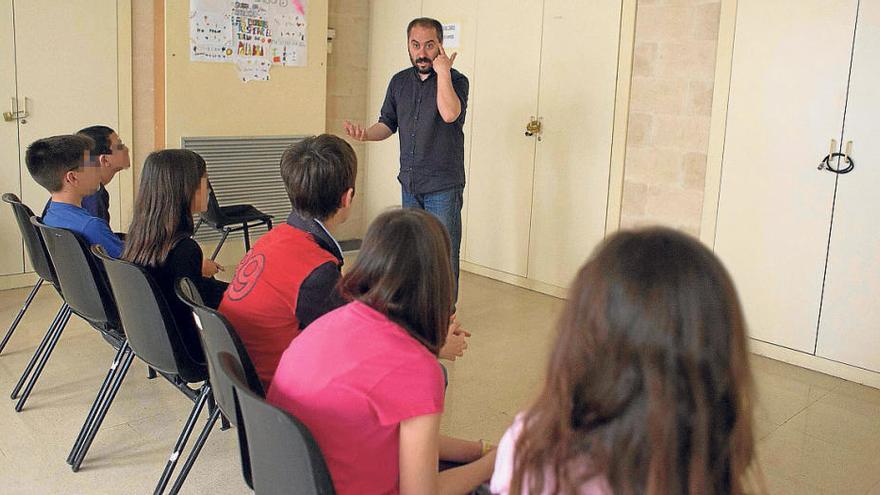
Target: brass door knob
[533, 127]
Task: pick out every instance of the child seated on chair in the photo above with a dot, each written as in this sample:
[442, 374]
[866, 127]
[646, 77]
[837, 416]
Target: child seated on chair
[65, 167]
[174, 186]
[288, 278]
[648, 388]
[111, 156]
[364, 378]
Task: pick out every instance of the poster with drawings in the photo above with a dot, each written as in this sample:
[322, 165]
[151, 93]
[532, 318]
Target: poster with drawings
[253, 34]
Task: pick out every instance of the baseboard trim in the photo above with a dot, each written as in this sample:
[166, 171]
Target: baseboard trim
[816, 363]
[525, 283]
[17, 280]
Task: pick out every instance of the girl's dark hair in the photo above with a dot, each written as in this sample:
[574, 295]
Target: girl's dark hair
[162, 215]
[648, 383]
[403, 271]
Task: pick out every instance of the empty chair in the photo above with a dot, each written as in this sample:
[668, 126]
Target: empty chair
[155, 338]
[232, 218]
[284, 457]
[217, 335]
[42, 265]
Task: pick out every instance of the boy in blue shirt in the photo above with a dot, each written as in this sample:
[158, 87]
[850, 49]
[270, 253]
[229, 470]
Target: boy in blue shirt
[63, 165]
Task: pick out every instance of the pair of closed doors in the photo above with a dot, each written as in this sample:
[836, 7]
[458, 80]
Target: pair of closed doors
[802, 243]
[532, 208]
[58, 71]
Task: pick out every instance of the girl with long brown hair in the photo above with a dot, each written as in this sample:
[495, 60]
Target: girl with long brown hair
[648, 388]
[173, 187]
[365, 379]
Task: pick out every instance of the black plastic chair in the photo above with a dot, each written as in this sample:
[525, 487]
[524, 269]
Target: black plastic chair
[87, 293]
[42, 264]
[155, 338]
[217, 335]
[232, 218]
[284, 457]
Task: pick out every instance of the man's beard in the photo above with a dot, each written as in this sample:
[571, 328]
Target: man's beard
[426, 70]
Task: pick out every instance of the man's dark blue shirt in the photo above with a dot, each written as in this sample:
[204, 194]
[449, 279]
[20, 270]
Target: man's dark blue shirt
[431, 151]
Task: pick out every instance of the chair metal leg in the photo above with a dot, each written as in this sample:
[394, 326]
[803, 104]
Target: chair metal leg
[247, 237]
[102, 409]
[222, 240]
[182, 439]
[102, 392]
[196, 228]
[27, 302]
[197, 447]
[39, 352]
[268, 225]
[42, 363]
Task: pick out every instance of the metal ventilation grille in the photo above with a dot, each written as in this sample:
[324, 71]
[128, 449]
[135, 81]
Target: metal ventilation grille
[244, 170]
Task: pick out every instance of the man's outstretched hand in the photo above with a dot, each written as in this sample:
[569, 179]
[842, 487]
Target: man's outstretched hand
[355, 131]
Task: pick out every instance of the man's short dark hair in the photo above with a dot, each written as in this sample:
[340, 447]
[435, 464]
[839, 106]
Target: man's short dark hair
[48, 159]
[317, 171]
[426, 22]
[100, 134]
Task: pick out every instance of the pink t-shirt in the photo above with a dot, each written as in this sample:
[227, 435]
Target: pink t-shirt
[351, 377]
[500, 484]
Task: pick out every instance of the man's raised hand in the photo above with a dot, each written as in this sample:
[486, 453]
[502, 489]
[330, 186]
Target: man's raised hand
[443, 63]
[355, 131]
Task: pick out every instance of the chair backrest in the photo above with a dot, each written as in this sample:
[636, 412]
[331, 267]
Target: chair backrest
[33, 241]
[149, 324]
[213, 213]
[284, 457]
[83, 283]
[217, 335]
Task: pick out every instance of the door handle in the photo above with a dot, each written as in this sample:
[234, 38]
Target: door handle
[849, 163]
[16, 114]
[533, 127]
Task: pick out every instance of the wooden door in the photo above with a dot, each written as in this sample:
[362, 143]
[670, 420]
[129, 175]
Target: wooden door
[11, 259]
[66, 60]
[787, 98]
[504, 93]
[576, 105]
[849, 328]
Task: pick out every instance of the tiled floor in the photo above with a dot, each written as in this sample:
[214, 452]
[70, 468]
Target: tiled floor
[817, 434]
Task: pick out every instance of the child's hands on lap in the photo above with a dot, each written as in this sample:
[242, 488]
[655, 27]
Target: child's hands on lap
[210, 268]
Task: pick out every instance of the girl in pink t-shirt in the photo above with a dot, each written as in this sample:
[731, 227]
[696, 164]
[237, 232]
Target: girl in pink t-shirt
[365, 378]
[648, 388]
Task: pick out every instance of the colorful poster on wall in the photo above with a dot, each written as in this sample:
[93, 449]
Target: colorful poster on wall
[253, 34]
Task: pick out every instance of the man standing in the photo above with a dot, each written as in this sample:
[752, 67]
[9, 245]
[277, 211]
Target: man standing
[427, 104]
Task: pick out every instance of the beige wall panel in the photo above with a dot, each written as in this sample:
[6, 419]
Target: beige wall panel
[72, 85]
[787, 95]
[576, 103]
[504, 90]
[11, 260]
[209, 99]
[463, 13]
[387, 56]
[849, 329]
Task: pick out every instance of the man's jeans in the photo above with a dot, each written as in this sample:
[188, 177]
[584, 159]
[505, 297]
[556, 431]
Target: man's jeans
[445, 205]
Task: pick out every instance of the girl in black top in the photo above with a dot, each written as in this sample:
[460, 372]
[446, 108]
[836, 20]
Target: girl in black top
[174, 186]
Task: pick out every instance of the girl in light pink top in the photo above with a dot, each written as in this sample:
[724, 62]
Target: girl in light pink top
[648, 388]
[365, 378]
